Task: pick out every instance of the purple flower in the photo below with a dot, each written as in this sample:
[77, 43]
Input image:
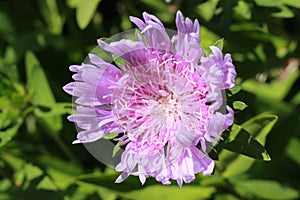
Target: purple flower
[165, 103]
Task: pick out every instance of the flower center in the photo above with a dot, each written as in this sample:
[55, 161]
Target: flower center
[168, 103]
[155, 101]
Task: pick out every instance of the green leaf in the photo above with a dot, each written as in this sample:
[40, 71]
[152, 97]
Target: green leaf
[51, 15]
[260, 126]
[108, 181]
[111, 135]
[37, 82]
[7, 134]
[8, 64]
[53, 111]
[264, 189]
[171, 192]
[268, 3]
[292, 3]
[117, 149]
[239, 105]
[121, 63]
[219, 43]
[238, 166]
[85, 11]
[225, 197]
[38, 86]
[7, 28]
[35, 194]
[292, 149]
[235, 90]
[73, 3]
[210, 38]
[285, 12]
[243, 9]
[207, 10]
[245, 144]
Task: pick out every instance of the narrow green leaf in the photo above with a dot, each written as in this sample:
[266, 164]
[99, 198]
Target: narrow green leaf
[85, 11]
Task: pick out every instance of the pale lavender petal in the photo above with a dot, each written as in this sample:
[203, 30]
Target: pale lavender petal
[187, 41]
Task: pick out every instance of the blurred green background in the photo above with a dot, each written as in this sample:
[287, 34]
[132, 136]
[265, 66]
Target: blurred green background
[39, 39]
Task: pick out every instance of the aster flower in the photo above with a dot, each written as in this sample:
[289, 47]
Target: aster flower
[165, 101]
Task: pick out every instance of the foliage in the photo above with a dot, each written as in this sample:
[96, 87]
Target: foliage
[258, 158]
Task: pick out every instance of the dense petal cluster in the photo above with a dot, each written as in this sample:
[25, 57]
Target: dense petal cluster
[166, 102]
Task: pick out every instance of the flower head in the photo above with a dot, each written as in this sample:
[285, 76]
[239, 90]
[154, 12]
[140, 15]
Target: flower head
[165, 100]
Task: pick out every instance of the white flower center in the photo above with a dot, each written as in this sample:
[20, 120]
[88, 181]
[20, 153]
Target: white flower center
[154, 101]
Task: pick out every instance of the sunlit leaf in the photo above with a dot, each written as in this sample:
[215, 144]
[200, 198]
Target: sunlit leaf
[243, 10]
[235, 89]
[219, 43]
[239, 105]
[37, 82]
[284, 12]
[210, 38]
[292, 3]
[111, 135]
[265, 189]
[38, 86]
[170, 193]
[85, 11]
[207, 9]
[238, 166]
[268, 3]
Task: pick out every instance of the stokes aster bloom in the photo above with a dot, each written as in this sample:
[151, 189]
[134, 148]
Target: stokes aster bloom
[165, 102]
